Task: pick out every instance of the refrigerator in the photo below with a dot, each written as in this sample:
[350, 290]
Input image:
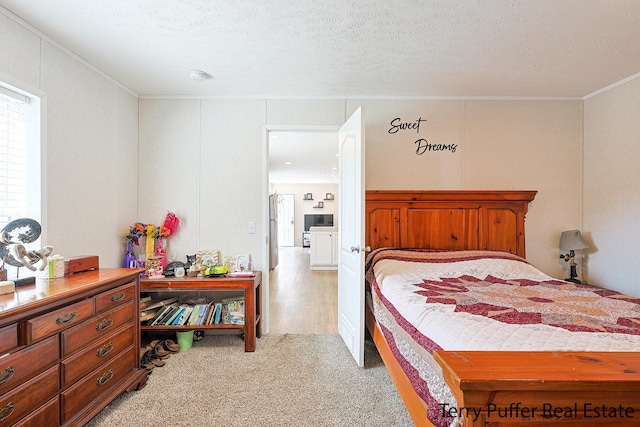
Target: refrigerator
[273, 231]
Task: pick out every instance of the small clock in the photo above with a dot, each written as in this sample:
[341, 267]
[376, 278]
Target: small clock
[242, 262]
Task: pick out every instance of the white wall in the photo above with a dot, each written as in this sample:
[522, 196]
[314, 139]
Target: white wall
[91, 145]
[611, 190]
[500, 145]
[203, 161]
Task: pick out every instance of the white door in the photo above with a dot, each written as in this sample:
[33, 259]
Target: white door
[286, 223]
[351, 236]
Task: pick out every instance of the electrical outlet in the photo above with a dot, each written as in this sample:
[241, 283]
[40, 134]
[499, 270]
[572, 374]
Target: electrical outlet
[252, 227]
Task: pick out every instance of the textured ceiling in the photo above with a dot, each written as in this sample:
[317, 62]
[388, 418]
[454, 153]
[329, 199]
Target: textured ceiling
[303, 157]
[349, 48]
[345, 48]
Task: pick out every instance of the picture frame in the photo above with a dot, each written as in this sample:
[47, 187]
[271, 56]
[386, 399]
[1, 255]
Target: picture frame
[207, 258]
[329, 196]
[321, 204]
[243, 262]
[308, 196]
[230, 262]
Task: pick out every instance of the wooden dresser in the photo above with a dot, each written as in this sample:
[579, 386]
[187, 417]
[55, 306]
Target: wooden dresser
[68, 347]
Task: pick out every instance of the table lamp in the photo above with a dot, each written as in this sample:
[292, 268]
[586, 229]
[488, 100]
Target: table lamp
[572, 241]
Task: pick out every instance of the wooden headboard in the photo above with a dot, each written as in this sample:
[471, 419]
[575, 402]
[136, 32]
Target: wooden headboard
[455, 220]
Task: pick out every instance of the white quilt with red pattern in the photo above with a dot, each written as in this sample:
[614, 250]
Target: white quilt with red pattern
[426, 300]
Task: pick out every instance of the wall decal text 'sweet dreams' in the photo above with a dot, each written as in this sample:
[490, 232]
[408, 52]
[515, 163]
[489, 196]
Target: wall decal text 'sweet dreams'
[422, 145]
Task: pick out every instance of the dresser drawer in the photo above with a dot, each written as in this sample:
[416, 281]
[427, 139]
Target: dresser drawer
[21, 365]
[8, 338]
[100, 352]
[52, 323]
[95, 328]
[115, 297]
[45, 416]
[29, 396]
[96, 383]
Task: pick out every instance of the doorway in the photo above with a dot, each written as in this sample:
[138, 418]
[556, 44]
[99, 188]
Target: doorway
[300, 161]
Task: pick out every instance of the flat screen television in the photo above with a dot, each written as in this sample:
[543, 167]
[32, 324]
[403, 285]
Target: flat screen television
[317, 220]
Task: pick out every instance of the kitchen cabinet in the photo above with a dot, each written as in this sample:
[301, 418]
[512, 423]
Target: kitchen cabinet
[324, 248]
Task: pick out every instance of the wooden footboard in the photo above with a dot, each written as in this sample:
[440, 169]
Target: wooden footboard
[415, 405]
[539, 388]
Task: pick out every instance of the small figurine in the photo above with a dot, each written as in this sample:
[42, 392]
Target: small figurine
[155, 274]
[191, 260]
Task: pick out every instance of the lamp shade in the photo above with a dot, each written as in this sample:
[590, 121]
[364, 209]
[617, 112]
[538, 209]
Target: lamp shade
[572, 240]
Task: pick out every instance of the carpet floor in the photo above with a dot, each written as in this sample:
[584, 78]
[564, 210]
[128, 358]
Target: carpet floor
[290, 380]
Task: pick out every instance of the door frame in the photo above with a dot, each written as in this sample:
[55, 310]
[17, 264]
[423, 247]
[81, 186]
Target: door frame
[266, 130]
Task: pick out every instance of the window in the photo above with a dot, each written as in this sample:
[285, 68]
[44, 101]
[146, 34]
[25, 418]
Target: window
[19, 155]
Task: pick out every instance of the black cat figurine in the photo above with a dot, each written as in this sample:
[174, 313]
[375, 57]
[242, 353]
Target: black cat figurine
[191, 260]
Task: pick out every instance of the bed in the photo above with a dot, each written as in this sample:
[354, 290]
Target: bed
[472, 334]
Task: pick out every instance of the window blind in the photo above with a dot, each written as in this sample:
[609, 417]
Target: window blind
[13, 157]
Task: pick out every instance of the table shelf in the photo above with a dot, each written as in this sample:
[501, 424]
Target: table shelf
[250, 287]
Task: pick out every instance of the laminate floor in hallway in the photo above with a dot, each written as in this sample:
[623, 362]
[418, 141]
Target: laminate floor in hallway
[302, 301]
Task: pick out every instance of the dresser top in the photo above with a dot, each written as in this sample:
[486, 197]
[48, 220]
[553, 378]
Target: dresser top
[51, 291]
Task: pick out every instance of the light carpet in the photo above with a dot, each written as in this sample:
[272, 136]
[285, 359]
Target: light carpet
[290, 380]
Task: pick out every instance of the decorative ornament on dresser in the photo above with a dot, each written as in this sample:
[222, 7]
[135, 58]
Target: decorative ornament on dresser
[154, 244]
[169, 227]
[132, 235]
[129, 257]
[14, 236]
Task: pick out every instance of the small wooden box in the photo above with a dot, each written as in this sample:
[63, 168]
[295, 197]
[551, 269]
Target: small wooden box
[79, 264]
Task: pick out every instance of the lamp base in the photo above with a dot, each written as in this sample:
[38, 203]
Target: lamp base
[572, 273]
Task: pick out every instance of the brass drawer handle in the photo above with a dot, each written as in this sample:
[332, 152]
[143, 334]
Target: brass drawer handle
[67, 318]
[117, 297]
[6, 375]
[106, 349]
[105, 377]
[7, 411]
[104, 324]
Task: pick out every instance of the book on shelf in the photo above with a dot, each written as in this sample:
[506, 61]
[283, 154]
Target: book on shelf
[174, 315]
[144, 301]
[149, 304]
[168, 312]
[207, 316]
[184, 316]
[237, 317]
[160, 311]
[198, 315]
[217, 313]
[204, 308]
[233, 311]
[194, 315]
[210, 313]
[164, 316]
[148, 314]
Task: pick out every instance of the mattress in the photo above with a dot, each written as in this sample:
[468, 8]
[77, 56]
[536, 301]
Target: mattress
[427, 300]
